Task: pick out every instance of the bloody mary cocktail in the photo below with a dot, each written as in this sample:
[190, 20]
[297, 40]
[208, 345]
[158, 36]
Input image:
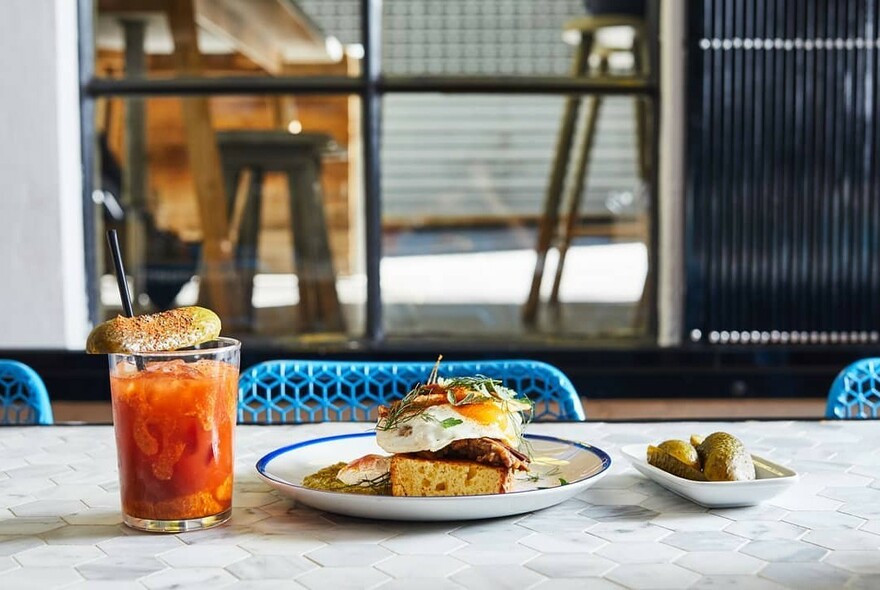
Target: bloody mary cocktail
[174, 415]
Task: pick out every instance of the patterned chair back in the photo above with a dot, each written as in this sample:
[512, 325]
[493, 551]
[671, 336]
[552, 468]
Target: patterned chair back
[855, 393]
[291, 391]
[23, 395]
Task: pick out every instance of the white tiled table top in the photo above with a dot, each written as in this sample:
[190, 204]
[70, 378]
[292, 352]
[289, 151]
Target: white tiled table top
[60, 523]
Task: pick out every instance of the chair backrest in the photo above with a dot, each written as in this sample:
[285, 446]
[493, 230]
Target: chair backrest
[23, 395]
[855, 393]
[291, 391]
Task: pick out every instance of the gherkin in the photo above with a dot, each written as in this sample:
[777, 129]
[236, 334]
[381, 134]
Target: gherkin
[155, 332]
[683, 451]
[663, 460]
[724, 457]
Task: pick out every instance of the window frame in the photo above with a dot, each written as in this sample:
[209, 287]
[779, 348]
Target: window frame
[370, 87]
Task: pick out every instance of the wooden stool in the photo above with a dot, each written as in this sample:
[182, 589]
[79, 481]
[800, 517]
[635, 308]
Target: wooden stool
[299, 157]
[552, 233]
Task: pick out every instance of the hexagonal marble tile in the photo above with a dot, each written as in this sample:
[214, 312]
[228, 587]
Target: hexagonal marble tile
[563, 542]
[423, 542]
[651, 576]
[272, 567]
[691, 521]
[705, 541]
[40, 577]
[130, 567]
[628, 532]
[500, 554]
[204, 556]
[844, 539]
[190, 577]
[733, 582]
[423, 584]
[806, 575]
[712, 563]
[494, 577]
[58, 555]
[784, 551]
[571, 565]
[860, 562]
[823, 519]
[343, 578]
[420, 566]
[349, 554]
[625, 553]
[765, 530]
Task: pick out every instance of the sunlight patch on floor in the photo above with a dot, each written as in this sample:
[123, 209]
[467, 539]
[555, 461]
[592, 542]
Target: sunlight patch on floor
[608, 273]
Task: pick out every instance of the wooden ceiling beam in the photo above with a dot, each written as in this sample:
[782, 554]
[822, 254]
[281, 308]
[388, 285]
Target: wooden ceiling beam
[265, 31]
[243, 26]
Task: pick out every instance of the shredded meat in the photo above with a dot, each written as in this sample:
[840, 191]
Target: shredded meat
[488, 451]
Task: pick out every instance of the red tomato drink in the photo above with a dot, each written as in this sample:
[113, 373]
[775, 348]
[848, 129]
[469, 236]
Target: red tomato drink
[174, 423]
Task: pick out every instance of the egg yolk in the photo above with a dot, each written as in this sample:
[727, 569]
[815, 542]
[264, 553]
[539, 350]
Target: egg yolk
[485, 413]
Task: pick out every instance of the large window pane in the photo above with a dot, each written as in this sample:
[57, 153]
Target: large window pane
[284, 172]
[490, 37]
[234, 38]
[464, 181]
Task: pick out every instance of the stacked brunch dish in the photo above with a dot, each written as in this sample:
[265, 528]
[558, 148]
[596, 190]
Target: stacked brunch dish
[460, 436]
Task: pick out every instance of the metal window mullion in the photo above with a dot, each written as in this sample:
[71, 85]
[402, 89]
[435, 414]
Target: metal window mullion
[85, 24]
[371, 126]
[227, 85]
[331, 85]
[599, 85]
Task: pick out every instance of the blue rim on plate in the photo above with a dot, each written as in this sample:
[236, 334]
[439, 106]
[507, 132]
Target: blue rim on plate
[263, 462]
[284, 468]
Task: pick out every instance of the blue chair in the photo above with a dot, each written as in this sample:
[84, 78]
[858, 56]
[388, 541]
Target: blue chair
[855, 393]
[23, 396]
[291, 391]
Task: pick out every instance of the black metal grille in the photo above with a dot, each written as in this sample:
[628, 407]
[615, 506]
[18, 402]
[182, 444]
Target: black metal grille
[783, 211]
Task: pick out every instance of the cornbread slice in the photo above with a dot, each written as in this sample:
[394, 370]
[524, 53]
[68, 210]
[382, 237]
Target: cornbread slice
[415, 476]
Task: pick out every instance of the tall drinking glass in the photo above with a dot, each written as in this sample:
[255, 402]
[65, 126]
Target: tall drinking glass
[174, 416]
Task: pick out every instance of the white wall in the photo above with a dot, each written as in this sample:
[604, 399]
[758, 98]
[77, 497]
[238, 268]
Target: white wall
[42, 261]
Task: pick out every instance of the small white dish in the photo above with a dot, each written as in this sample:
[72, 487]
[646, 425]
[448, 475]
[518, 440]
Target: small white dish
[771, 480]
[563, 469]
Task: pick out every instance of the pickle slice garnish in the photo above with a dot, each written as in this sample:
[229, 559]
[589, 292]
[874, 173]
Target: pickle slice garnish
[155, 332]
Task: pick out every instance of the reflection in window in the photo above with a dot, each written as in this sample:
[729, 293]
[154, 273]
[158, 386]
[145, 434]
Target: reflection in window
[285, 164]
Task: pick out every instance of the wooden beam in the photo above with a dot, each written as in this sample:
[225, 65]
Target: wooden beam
[266, 31]
[241, 24]
[218, 287]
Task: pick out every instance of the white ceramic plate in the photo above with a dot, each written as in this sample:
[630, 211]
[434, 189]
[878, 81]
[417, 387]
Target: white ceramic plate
[771, 479]
[562, 469]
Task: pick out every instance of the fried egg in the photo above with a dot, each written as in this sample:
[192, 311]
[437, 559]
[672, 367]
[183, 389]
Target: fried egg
[436, 426]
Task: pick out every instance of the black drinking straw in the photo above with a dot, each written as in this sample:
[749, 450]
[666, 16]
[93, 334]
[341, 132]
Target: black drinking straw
[121, 282]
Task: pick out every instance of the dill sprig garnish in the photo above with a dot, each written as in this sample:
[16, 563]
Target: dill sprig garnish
[380, 483]
[535, 476]
[403, 410]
